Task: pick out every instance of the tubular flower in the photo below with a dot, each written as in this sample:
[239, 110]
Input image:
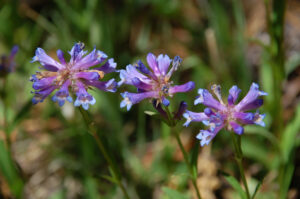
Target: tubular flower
[218, 115]
[153, 82]
[76, 76]
[7, 63]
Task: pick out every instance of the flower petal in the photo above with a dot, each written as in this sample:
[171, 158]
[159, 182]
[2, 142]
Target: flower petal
[245, 118]
[141, 67]
[40, 95]
[250, 99]
[141, 85]
[176, 62]
[63, 94]
[77, 52]
[182, 88]
[165, 101]
[43, 83]
[205, 136]
[238, 129]
[194, 117]
[258, 119]
[133, 98]
[108, 67]
[152, 62]
[251, 105]
[110, 85]
[60, 56]
[181, 110]
[46, 61]
[163, 63]
[207, 99]
[234, 92]
[130, 73]
[93, 58]
[88, 75]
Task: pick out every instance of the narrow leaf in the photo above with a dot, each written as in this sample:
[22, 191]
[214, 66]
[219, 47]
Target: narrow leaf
[235, 184]
[256, 189]
[173, 194]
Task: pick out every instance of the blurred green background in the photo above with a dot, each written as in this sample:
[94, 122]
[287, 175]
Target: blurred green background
[226, 42]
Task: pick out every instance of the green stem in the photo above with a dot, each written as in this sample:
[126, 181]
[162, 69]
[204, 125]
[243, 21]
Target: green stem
[93, 131]
[185, 154]
[239, 160]
[276, 19]
[187, 162]
[5, 113]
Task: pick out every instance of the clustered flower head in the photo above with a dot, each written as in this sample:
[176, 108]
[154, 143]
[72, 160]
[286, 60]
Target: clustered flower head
[218, 115]
[7, 63]
[76, 76]
[81, 73]
[153, 83]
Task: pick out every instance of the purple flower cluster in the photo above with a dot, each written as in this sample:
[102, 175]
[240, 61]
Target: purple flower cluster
[76, 76]
[7, 63]
[153, 82]
[219, 115]
[81, 73]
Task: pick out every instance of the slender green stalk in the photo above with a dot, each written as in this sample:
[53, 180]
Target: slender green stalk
[239, 160]
[276, 19]
[93, 131]
[190, 168]
[5, 113]
[185, 154]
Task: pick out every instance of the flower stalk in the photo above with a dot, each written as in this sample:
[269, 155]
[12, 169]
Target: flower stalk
[193, 177]
[239, 160]
[92, 130]
[5, 124]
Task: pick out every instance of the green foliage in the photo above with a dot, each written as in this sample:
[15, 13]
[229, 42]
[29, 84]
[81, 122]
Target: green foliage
[235, 184]
[173, 194]
[9, 169]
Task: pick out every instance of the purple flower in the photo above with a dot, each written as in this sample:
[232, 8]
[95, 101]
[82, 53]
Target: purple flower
[153, 82]
[218, 115]
[75, 76]
[7, 63]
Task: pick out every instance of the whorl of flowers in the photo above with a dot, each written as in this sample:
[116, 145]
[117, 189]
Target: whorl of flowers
[220, 115]
[76, 76]
[153, 82]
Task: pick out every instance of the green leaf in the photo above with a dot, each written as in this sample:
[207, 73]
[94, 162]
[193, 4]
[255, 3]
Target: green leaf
[173, 194]
[288, 140]
[194, 158]
[21, 114]
[256, 189]
[9, 171]
[256, 150]
[292, 63]
[60, 194]
[90, 187]
[110, 179]
[235, 184]
[287, 178]
[151, 113]
[256, 130]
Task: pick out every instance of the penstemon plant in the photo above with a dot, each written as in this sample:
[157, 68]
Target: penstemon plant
[77, 76]
[155, 84]
[219, 115]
